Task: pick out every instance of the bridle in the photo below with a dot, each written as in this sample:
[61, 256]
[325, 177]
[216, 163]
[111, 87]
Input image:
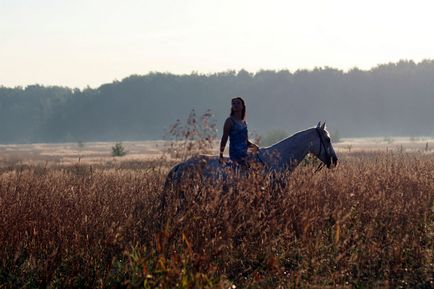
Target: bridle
[321, 146]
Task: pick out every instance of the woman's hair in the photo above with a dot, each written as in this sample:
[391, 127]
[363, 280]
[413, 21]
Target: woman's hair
[243, 112]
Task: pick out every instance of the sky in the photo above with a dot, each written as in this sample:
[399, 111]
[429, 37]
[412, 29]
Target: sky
[80, 43]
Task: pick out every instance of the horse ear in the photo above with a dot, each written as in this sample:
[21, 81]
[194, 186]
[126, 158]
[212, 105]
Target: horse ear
[319, 124]
[323, 125]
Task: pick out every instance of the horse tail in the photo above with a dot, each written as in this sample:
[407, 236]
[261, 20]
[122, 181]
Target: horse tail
[169, 185]
[171, 178]
[173, 197]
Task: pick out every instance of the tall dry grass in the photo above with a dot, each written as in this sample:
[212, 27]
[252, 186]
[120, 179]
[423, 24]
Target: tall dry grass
[366, 224]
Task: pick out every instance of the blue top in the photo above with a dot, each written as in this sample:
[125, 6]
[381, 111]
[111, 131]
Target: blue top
[238, 141]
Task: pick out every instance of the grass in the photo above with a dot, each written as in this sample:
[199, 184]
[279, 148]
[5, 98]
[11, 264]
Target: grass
[366, 224]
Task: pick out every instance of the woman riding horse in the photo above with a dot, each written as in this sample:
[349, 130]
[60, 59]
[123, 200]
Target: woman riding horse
[235, 128]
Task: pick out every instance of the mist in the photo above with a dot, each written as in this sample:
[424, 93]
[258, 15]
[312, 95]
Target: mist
[395, 99]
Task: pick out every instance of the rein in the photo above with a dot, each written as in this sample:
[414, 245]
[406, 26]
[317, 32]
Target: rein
[321, 145]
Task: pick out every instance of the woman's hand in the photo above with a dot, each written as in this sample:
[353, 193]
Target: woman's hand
[254, 147]
[221, 159]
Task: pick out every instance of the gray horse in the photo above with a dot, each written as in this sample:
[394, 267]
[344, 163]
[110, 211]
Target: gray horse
[280, 158]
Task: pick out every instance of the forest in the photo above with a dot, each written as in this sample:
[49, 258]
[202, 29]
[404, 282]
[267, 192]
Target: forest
[394, 99]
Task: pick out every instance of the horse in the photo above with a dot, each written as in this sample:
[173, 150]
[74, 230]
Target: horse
[278, 159]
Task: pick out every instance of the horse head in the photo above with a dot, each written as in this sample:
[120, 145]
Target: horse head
[322, 148]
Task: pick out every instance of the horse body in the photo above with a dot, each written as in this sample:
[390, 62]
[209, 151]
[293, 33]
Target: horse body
[282, 157]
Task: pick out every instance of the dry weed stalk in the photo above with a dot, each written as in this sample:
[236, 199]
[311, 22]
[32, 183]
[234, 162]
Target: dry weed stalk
[197, 135]
[368, 223]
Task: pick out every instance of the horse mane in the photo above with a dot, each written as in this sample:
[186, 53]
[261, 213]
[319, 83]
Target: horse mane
[290, 136]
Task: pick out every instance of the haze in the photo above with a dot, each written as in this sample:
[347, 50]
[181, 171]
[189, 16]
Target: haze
[87, 43]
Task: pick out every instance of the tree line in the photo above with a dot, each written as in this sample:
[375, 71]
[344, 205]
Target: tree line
[395, 99]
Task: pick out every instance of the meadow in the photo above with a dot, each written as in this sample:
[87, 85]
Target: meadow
[72, 216]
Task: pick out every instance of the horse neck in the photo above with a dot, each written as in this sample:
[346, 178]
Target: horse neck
[288, 153]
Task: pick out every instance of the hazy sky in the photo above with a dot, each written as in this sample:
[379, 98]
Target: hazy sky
[77, 43]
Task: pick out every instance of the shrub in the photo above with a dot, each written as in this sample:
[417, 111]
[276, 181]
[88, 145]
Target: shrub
[118, 150]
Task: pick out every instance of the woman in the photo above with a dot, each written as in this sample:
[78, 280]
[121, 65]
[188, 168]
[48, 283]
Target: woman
[235, 128]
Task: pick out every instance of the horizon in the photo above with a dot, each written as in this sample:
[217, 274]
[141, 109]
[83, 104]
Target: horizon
[89, 43]
[218, 72]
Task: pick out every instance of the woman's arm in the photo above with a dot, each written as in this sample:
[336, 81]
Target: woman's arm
[226, 129]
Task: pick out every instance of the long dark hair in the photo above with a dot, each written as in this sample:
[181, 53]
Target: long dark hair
[243, 112]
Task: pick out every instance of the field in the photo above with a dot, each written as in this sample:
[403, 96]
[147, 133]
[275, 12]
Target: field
[72, 216]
